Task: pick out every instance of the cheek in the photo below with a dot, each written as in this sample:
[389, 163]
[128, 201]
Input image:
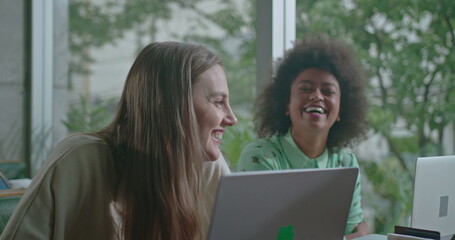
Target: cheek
[296, 102]
[293, 100]
[199, 118]
[336, 103]
[208, 119]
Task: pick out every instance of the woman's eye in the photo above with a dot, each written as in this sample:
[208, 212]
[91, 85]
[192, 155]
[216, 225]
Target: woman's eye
[218, 103]
[304, 89]
[329, 92]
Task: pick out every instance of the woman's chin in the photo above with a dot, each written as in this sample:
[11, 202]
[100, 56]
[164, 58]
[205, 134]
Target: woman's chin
[213, 155]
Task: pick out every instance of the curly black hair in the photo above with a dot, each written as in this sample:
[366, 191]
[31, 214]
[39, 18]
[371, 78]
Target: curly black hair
[326, 54]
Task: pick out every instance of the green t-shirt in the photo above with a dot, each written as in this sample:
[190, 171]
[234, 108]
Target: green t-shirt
[281, 152]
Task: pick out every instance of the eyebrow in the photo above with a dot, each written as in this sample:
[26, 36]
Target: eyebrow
[217, 94]
[324, 83]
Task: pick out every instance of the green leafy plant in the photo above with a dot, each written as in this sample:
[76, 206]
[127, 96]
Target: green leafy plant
[87, 116]
[407, 48]
[392, 200]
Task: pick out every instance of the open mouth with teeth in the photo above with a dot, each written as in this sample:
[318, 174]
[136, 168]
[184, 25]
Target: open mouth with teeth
[319, 110]
[218, 135]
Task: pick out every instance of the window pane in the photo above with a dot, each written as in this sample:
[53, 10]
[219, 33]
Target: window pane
[106, 36]
[12, 91]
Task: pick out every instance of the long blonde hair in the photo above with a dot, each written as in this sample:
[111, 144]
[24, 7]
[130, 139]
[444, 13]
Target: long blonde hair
[156, 144]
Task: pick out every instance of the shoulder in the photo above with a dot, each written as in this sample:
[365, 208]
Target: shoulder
[262, 148]
[78, 151]
[74, 185]
[263, 145]
[79, 143]
[79, 161]
[262, 154]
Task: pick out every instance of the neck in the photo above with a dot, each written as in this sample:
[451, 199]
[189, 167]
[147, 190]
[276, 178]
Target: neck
[312, 145]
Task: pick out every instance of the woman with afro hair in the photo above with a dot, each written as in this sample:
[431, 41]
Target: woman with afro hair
[309, 113]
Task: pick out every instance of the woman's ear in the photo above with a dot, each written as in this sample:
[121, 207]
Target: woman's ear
[288, 102]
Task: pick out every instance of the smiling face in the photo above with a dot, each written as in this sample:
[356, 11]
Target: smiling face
[213, 112]
[314, 102]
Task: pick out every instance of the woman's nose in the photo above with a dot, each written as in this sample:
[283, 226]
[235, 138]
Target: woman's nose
[230, 118]
[315, 96]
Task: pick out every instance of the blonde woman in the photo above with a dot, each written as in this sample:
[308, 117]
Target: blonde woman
[141, 177]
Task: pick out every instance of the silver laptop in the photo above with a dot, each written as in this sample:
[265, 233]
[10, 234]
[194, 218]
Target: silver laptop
[434, 195]
[283, 205]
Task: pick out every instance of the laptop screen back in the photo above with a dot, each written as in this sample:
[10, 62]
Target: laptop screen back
[434, 194]
[289, 204]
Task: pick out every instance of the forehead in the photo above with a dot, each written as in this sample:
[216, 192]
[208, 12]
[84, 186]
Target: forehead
[316, 76]
[212, 80]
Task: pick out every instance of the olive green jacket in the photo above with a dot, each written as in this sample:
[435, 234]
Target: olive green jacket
[70, 197]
